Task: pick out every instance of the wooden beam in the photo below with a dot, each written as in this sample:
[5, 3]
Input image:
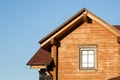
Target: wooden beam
[85, 18]
[38, 67]
[54, 55]
[53, 41]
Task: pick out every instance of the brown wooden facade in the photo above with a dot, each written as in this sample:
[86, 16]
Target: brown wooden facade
[62, 49]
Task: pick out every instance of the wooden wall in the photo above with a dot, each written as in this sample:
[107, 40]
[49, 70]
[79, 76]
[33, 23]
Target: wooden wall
[107, 54]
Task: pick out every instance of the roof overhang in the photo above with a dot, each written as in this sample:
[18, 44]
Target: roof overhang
[41, 59]
[78, 17]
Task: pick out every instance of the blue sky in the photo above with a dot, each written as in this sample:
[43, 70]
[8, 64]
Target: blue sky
[24, 22]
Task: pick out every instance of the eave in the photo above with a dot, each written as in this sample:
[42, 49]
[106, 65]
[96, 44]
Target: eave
[41, 59]
[78, 17]
[62, 25]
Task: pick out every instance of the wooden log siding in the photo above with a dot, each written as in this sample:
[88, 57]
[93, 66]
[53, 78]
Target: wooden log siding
[68, 58]
[119, 60]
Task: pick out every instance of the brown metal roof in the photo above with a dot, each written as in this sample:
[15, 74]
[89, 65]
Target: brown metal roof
[117, 26]
[42, 57]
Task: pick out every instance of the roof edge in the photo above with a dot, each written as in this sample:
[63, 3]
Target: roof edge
[89, 14]
[108, 26]
[62, 25]
[41, 57]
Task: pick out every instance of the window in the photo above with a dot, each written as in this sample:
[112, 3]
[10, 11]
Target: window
[87, 57]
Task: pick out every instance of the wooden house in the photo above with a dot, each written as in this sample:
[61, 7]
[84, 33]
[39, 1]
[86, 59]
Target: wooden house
[83, 48]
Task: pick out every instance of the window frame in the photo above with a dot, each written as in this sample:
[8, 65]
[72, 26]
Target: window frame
[92, 47]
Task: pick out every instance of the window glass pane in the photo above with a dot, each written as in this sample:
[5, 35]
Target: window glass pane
[90, 65]
[84, 52]
[87, 56]
[91, 52]
[84, 58]
[84, 65]
[91, 58]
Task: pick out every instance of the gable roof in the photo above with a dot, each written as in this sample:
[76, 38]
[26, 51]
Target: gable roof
[42, 57]
[75, 19]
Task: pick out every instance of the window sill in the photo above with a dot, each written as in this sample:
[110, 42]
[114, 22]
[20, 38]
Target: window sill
[87, 70]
